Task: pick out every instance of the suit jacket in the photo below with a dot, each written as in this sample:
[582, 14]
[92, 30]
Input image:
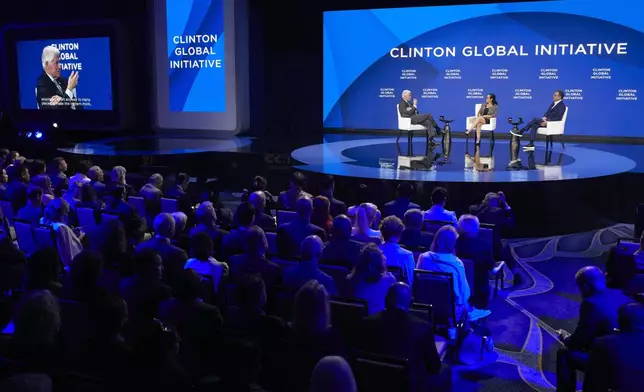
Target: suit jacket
[99, 188]
[555, 112]
[46, 88]
[398, 207]
[343, 253]
[337, 207]
[265, 221]
[175, 192]
[59, 180]
[406, 109]
[616, 363]
[413, 238]
[597, 317]
[247, 264]
[173, 258]
[500, 217]
[288, 199]
[234, 243]
[396, 333]
[295, 277]
[290, 236]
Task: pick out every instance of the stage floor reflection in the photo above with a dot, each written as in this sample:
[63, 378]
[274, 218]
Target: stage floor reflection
[458, 160]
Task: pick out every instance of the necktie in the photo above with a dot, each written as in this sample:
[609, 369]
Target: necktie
[60, 88]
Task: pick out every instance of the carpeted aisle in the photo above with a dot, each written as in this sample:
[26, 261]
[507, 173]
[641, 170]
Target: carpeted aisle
[524, 319]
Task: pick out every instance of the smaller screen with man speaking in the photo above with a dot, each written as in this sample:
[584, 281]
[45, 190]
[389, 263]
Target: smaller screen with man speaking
[65, 74]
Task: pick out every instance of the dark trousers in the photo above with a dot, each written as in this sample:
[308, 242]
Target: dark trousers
[533, 125]
[568, 362]
[425, 120]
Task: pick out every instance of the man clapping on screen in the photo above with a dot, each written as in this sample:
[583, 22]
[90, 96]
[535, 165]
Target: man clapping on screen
[52, 90]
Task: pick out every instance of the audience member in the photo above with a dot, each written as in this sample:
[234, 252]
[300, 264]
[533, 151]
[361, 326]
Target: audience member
[57, 174]
[288, 199]
[152, 193]
[110, 240]
[395, 255]
[119, 178]
[362, 229]
[88, 198]
[290, 235]
[12, 265]
[437, 211]
[43, 271]
[178, 190]
[369, 279]
[235, 242]
[97, 181]
[341, 250]
[259, 185]
[199, 324]
[224, 216]
[413, 235]
[85, 272]
[332, 374]
[173, 258]
[144, 291]
[202, 262]
[262, 219]
[34, 342]
[327, 187]
[68, 241]
[321, 216]
[207, 222]
[254, 261]
[135, 226]
[395, 332]
[597, 317]
[402, 202]
[494, 210]
[181, 238]
[33, 210]
[311, 336]
[39, 176]
[4, 178]
[82, 170]
[107, 355]
[17, 186]
[470, 246]
[10, 158]
[308, 268]
[615, 360]
[73, 196]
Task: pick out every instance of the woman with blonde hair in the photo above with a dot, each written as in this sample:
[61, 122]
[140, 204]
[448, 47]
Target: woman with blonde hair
[362, 228]
[369, 278]
[68, 241]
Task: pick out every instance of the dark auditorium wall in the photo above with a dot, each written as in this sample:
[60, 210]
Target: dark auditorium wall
[285, 53]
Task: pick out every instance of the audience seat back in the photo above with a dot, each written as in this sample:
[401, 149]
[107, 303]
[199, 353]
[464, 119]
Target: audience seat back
[347, 315]
[436, 289]
[106, 217]
[375, 372]
[207, 289]
[339, 275]
[469, 272]
[285, 217]
[397, 272]
[433, 226]
[86, 217]
[169, 205]
[25, 234]
[627, 246]
[45, 237]
[284, 264]
[271, 238]
[139, 205]
[423, 311]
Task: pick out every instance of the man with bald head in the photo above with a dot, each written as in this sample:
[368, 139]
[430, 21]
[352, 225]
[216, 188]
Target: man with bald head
[341, 250]
[597, 317]
[262, 219]
[397, 333]
[290, 235]
[308, 268]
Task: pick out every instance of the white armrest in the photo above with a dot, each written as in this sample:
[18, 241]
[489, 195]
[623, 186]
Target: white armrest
[404, 123]
[493, 122]
[469, 122]
[554, 125]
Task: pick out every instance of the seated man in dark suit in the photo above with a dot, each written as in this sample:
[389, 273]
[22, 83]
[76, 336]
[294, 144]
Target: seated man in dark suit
[3, 183]
[54, 92]
[33, 210]
[555, 112]
[401, 203]
[288, 199]
[57, 174]
[597, 317]
[207, 223]
[262, 219]
[470, 246]
[178, 190]
[291, 235]
[254, 261]
[494, 210]
[97, 181]
[118, 177]
[152, 193]
[341, 250]
[413, 236]
[327, 187]
[615, 361]
[17, 187]
[408, 109]
[173, 258]
[308, 268]
[235, 242]
[199, 324]
[396, 333]
[135, 226]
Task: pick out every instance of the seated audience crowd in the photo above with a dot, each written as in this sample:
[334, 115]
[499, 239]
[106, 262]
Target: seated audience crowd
[183, 303]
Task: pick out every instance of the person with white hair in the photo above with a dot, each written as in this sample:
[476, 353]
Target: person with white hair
[408, 108]
[54, 91]
[97, 179]
[173, 258]
[206, 218]
[118, 178]
[262, 219]
[332, 374]
[151, 191]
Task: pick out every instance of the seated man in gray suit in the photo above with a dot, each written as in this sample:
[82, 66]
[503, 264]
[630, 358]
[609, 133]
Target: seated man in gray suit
[407, 108]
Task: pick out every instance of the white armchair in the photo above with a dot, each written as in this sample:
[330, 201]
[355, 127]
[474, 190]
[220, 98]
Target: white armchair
[554, 128]
[470, 121]
[405, 125]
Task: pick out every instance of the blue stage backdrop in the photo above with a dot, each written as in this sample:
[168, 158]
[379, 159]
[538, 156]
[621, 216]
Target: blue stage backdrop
[89, 56]
[451, 57]
[196, 55]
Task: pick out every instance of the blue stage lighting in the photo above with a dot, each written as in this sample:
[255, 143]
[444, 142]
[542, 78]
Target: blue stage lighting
[38, 134]
[28, 134]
